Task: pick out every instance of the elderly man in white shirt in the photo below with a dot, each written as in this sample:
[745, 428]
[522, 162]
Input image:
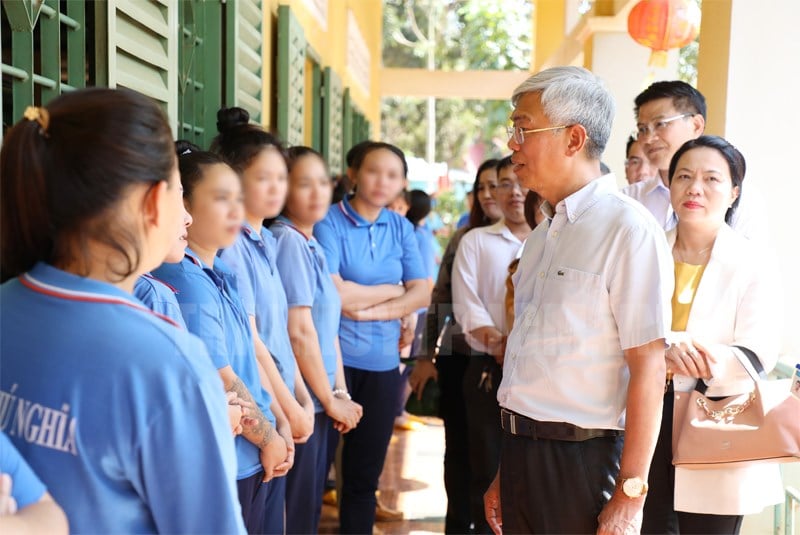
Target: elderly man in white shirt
[584, 362]
[479, 277]
[668, 114]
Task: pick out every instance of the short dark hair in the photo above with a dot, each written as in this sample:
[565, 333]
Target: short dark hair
[736, 163]
[192, 161]
[350, 157]
[293, 154]
[476, 216]
[239, 141]
[419, 206]
[502, 163]
[62, 178]
[532, 202]
[685, 98]
[628, 145]
[372, 146]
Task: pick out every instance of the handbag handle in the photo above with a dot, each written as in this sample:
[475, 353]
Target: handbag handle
[752, 365]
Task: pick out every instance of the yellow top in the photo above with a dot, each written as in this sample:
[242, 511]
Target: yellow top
[687, 278]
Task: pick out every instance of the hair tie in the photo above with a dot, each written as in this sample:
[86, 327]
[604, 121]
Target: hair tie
[40, 115]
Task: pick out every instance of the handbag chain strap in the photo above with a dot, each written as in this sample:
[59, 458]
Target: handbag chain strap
[729, 412]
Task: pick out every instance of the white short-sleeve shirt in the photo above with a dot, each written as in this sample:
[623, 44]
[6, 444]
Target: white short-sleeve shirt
[595, 278]
[479, 278]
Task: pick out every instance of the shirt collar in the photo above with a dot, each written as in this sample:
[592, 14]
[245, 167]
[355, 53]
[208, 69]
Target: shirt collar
[283, 220]
[217, 273]
[253, 234]
[355, 218]
[653, 184]
[501, 229]
[48, 280]
[583, 199]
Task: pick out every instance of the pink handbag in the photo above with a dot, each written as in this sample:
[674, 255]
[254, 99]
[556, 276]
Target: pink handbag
[754, 427]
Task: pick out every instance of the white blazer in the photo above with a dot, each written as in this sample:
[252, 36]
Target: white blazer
[737, 304]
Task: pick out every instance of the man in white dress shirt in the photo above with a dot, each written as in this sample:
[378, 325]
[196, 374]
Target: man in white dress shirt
[584, 362]
[668, 114]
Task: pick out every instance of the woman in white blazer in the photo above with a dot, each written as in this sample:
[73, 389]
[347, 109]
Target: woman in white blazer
[725, 295]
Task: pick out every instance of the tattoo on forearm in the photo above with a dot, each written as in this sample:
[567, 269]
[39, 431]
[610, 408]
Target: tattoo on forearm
[261, 433]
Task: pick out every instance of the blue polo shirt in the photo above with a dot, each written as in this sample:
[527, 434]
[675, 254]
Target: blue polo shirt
[213, 311]
[382, 252]
[252, 259]
[119, 412]
[307, 282]
[159, 297]
[26, 488]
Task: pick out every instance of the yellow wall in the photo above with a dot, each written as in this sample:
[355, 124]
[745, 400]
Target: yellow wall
[331, 46]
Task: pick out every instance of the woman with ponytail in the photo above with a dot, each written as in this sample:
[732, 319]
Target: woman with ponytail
[117, 409]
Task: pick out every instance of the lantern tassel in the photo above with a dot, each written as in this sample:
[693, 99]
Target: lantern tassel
[658, 59]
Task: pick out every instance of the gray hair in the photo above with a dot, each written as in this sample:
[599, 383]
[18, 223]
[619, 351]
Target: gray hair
[574, 95]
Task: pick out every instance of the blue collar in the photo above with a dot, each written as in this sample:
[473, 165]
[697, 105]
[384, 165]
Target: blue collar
[217, 273]
[356, 219]
[283, 220]
[48, 280]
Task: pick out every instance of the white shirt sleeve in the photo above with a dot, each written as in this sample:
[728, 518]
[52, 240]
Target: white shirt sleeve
[468, 308]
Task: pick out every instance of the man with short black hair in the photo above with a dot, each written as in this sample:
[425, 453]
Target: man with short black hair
[668, 114]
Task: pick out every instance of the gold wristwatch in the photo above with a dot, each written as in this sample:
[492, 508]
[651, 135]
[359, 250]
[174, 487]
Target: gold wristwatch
[633, 487]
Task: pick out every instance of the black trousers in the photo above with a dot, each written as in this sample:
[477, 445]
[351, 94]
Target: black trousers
[481, 380]
[551, 486]
[451, 369]
[659, 506]
[364, 448]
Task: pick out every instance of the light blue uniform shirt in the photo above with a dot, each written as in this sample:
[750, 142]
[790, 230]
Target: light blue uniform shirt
[159, 297]
[307, 282]
[213, 311]
[26, 488]
[119, 412]
[252, 259]
[382, 252]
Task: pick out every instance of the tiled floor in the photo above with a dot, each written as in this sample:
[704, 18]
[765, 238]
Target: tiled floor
[411, 482]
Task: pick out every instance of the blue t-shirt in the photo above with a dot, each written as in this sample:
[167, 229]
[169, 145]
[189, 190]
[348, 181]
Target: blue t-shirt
[26, 488]
[252, 259]
[159, 297]
[382, 252]
[307, 282]
[213, 311]
[119, 412]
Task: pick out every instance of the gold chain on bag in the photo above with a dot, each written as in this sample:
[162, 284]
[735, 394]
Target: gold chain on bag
[728, 413]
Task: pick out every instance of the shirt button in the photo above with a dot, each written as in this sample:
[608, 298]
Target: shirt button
[541, 274]
[555, 234]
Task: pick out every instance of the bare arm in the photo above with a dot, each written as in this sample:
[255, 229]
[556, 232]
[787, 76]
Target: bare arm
[261, 432]
[301, 427]
[642, 424]
[44, 516]
[417, 295]
[359, 297]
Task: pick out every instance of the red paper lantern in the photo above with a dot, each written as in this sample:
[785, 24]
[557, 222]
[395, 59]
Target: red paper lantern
[664, 24]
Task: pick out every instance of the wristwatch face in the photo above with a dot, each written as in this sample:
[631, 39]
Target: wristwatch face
[633, 487]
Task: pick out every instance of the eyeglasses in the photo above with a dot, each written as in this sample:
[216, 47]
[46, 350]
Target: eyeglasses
[633, 161]
[507, 187]
[643, 131]
[517, 133]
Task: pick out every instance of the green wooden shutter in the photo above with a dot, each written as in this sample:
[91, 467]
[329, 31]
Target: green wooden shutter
[291, 77]
[62, 68]
[243, 44]
[332, 148]
[316, 107]
[200, 70]
[347, 122]
[143, 50]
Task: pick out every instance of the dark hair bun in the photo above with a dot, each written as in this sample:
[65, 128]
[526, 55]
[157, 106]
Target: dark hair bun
[230, 118]
[185, 147]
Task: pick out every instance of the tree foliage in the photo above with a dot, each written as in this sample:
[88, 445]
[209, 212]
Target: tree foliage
[468, 34]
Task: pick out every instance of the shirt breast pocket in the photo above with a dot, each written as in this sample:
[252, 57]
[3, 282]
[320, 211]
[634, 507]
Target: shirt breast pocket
[570, 301]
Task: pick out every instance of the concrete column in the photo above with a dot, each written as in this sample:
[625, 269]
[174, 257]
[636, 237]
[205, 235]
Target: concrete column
[622, 64]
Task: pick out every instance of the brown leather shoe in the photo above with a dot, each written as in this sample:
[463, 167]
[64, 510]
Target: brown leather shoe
[385, 514]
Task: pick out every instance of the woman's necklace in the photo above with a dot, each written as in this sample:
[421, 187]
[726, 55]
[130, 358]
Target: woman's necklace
[694, 254]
